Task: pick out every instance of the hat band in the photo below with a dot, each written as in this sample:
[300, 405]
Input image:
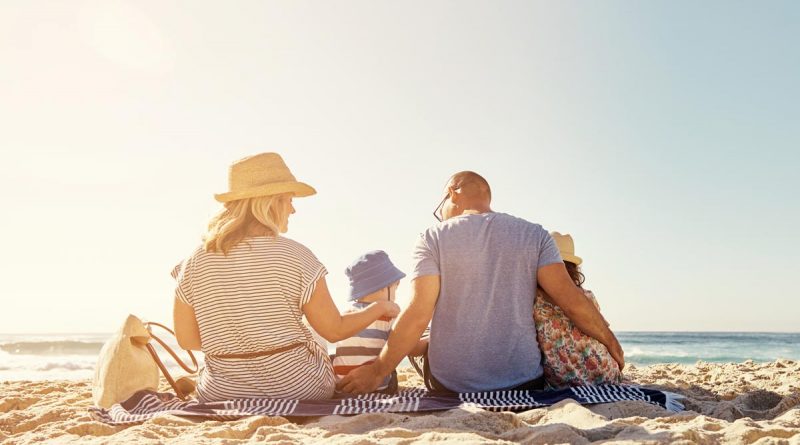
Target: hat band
[298, 188]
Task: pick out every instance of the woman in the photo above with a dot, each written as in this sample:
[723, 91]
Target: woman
[241, 296]
[570, 357]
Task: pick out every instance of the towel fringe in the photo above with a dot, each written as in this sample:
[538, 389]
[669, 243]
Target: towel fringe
[672, 404]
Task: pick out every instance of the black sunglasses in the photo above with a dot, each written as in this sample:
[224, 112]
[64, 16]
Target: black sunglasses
[437, 213]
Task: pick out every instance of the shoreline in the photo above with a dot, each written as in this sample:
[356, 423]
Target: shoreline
[744, 402]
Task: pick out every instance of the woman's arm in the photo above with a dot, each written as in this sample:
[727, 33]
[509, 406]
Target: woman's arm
[186, 329]
[325, 318]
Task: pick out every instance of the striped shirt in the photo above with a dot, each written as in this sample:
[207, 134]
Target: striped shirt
[362, 348]
[251, 301]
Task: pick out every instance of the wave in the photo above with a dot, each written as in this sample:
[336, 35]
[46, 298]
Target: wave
[691, 359]
[643, 356]
[62, 347]
[639, 352]
[68, 366]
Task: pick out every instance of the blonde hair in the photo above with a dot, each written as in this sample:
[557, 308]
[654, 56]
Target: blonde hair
[244, 217]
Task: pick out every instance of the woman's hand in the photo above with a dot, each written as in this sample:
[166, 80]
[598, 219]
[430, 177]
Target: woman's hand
[390, 308]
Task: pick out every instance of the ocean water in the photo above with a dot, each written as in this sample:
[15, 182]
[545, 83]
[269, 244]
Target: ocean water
[74, 356]
[648, 348]
[63, 356]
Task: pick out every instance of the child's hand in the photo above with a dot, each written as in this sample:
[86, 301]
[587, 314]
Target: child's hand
[390, 308]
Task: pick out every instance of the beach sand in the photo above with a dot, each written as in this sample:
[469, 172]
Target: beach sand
[725, 403]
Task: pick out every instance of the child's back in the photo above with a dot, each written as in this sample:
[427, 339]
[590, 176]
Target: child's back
[372, 277]
[362, 348]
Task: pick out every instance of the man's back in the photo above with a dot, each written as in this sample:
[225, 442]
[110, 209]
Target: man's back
[482, 333]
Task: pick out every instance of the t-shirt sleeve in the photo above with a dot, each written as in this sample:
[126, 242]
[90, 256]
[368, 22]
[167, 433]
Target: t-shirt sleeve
[425, 258]
[548, 251]
[183, 286]
[311, 270]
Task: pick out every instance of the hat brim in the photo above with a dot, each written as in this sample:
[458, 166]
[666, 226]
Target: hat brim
[299, 189]
[397, 275]
[572, 259]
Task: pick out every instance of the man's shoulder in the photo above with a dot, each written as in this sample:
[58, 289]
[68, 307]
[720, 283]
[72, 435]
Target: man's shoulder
[504, 220]
[517, 221]
[433, 232]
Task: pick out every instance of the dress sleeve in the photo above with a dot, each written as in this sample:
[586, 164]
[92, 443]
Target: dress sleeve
[590, 295]
[425, 257]
[183, 286]
[311, 270]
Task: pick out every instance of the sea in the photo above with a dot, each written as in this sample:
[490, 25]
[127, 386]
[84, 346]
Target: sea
[74, 356]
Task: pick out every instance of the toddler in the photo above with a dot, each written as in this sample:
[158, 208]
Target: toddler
[373, 277]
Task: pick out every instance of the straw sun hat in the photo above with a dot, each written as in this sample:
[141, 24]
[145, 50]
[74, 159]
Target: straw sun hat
[567, 247]
[263, 174]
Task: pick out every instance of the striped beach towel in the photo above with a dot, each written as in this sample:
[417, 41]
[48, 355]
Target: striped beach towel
[146, 405]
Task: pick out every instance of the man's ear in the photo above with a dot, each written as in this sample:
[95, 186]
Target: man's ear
[456, 194]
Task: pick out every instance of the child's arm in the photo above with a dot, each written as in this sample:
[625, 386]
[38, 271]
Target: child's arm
[324, 317]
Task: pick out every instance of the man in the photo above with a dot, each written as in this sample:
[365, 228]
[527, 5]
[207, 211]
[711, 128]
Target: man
[475, 277]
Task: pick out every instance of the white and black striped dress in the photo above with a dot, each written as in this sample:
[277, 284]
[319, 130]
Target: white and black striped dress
[251, 301]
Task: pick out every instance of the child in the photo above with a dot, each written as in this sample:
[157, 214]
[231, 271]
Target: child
[373, 277]
[570, 357]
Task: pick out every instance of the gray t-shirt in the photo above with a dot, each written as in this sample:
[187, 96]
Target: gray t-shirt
[482, 335]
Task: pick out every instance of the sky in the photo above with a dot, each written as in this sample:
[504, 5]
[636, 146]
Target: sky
[663, 135]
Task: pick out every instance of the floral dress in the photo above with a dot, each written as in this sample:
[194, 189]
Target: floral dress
[570, 357]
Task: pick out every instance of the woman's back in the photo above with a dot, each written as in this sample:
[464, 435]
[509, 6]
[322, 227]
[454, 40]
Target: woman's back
[248, 302]
[570, 357]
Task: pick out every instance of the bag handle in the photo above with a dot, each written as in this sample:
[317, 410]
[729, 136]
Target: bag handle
[180, 393]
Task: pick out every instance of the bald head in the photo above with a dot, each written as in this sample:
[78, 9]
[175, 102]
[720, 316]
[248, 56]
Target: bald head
[467, 192]
[472, 185]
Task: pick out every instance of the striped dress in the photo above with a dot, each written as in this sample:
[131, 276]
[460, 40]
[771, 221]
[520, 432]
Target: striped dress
[362, 348]
[251, 301]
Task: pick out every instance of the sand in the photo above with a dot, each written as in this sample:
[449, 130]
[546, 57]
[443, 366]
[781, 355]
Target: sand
[726, 403]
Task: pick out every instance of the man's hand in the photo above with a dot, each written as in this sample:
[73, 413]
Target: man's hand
[404, 337]
[617, 353]
[360, 380]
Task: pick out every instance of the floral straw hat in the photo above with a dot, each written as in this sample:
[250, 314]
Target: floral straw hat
[263, 174]
[567, 247]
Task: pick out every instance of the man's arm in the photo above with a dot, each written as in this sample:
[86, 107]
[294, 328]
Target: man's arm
[404, 337]
[555, 280]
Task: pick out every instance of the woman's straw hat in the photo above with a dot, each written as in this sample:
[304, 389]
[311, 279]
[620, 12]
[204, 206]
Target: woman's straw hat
[567, 247]
[262, 175]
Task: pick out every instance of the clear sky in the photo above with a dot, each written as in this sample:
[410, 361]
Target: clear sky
[663, 135]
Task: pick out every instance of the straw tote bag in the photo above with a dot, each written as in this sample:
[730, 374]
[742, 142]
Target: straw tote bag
[129, 363]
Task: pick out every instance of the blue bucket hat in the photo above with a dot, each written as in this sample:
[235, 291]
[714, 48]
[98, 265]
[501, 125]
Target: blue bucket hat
[371, 272]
